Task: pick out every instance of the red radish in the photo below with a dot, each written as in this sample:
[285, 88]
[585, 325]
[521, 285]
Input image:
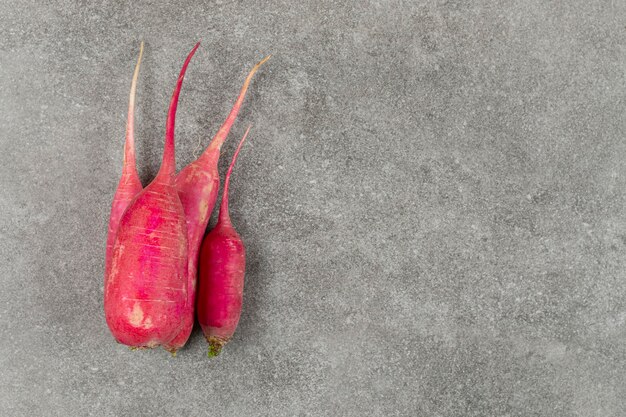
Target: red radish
[222, 269]
[129, 185]
[146, 288]
[197, 186]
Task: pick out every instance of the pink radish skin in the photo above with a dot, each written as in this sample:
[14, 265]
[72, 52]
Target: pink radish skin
[221, 275]
[197, 186]
[145, 292]
[129, 185]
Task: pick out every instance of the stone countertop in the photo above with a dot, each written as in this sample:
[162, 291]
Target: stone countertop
[432, 198]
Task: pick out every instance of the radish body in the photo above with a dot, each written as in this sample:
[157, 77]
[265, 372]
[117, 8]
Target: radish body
[221, 275]
[146, 285]
[197, 186]
[129, 185]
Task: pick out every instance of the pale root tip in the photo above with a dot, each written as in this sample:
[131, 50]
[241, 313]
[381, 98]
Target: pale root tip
[141, 44]
[264, 60]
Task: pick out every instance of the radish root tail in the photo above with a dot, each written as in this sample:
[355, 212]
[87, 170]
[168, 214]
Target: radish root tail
[224, 214]
[129, 146]
[221, 134]
[169, 163]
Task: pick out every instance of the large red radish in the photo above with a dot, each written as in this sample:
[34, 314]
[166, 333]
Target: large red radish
[221, 275]
[145, 292]
[129, 185]
[197, 186]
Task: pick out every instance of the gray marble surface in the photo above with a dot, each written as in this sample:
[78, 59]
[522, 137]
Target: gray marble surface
[432, 197]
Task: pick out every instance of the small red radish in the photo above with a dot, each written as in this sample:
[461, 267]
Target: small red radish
[145, 292]
[129, 185]
[197, 186]
[221, 275]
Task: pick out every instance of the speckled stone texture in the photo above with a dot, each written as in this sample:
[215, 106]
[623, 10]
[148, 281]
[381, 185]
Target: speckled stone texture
[433, 199]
